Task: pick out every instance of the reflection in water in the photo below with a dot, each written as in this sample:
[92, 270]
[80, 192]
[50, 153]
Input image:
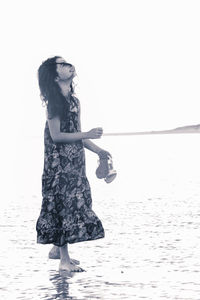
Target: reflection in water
[60, 282]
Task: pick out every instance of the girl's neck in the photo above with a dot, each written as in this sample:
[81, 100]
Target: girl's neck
[65, 87]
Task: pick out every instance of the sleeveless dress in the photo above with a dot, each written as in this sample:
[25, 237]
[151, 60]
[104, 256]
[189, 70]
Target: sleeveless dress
[66, 214]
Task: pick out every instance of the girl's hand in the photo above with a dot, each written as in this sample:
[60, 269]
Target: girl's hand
[103, 154]
[95, 133]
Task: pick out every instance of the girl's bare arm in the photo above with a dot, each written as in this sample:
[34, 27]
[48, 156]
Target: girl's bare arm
[91, 146]
[65, 137]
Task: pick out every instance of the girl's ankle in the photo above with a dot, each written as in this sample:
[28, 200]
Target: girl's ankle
[64, 260]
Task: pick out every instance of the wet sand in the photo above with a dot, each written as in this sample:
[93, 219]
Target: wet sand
[151, 216]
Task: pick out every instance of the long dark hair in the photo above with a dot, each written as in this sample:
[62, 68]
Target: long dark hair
[50, 91]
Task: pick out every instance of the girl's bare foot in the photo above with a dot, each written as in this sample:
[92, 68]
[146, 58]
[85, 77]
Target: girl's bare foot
[65, 261]
[68, 266]
[55, 254]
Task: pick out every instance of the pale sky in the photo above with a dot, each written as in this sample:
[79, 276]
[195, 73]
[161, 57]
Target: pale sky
[138, 62]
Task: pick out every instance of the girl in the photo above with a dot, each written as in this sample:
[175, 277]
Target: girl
[66, 214]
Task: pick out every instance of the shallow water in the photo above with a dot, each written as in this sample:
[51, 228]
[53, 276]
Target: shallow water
[151, 216]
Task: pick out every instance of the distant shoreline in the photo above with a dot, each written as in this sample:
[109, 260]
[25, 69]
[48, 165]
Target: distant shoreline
[178, 130]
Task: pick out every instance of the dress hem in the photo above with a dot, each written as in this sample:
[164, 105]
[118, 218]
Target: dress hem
[69, 242]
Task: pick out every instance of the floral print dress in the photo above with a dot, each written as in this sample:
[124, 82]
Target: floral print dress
[66, 214]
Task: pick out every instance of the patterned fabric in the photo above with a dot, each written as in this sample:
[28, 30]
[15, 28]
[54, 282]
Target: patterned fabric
[66, 214]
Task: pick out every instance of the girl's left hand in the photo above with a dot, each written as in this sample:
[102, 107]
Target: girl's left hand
[103, 154]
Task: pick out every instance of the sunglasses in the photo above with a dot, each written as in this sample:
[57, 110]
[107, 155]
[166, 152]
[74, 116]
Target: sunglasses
[63, 64]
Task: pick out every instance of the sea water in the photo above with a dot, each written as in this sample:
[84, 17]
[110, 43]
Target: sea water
[151, 217]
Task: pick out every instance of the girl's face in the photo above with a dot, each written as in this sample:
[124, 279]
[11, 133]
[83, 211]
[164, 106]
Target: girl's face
[64, 70]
